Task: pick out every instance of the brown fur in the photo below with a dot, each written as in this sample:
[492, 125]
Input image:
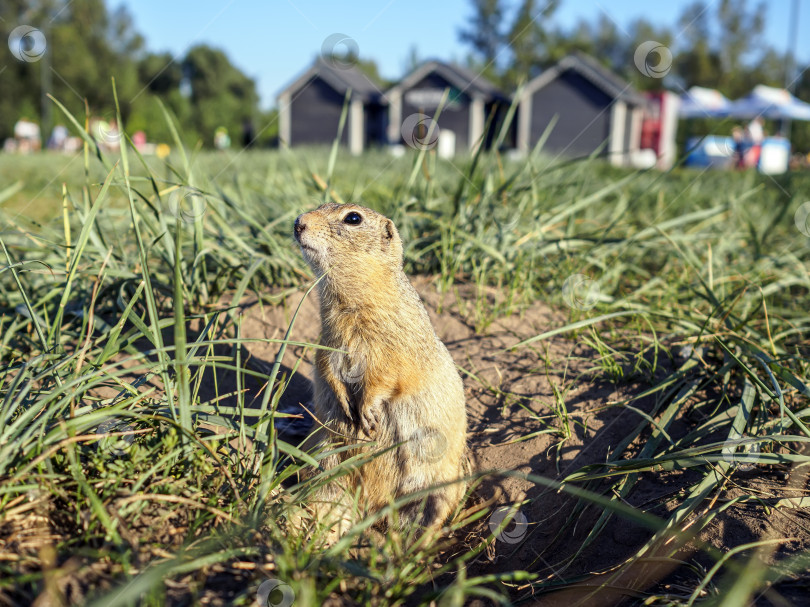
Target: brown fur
[394, 381]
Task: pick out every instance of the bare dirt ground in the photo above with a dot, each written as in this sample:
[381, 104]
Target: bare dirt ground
[519, 401]
[512, 395]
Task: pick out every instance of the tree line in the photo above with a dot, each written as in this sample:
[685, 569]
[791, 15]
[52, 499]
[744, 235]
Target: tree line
[719, 45]
[88, 45]
[715, 44]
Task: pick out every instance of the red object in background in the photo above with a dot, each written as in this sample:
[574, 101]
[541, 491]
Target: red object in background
[139, 139]
[752, 156]
[651, 126]
[659, 125]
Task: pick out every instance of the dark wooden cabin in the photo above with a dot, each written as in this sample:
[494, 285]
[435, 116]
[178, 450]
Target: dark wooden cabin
[310, 108]
[595, 110]
[472, 100]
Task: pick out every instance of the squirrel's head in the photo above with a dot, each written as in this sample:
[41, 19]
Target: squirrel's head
[348, 241]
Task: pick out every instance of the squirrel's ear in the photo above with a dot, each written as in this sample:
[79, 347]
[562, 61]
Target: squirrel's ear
[389, 230]
[391, 242]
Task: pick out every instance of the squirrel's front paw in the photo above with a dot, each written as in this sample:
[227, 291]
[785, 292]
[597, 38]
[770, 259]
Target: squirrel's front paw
[346, 407]
[369, 420]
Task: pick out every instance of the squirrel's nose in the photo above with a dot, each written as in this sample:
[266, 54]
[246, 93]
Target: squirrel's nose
[299, 226]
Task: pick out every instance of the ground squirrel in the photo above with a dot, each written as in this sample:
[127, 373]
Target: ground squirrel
[390, 379]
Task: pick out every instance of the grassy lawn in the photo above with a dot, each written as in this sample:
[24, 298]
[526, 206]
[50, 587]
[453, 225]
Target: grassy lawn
[142, 453]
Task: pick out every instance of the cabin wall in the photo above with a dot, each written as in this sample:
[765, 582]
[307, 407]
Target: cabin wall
[583, 116]
[422, 98]
[376, 119]
[495, 115]
[629, 131]
[315, 114]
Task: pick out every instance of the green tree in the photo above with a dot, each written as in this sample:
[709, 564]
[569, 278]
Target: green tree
[160, 73]
[161, 77]
[21, 81]
[528, 42]
[369, 68]
[800, 131]
[723, 48]
[740, 33]
[89, 45]
[768, 70]
[221, 95]
[696, 64]
[578, 39]
[612, 46]
[642, 31]
[86, 48]
[485, 36]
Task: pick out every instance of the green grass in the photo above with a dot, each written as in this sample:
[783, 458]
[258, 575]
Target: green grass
[117, 300]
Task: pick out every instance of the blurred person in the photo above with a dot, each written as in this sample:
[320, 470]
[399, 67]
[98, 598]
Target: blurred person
[27, 136]
[58, 138]
[799, 162]
[139, 140]
[738, 154]
[73, 144]
[756, 131]
[754, 135]
[222, 141]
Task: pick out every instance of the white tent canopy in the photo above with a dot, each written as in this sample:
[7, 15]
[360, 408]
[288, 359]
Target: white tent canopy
[769, 102]
[766, 101]
[700, 102]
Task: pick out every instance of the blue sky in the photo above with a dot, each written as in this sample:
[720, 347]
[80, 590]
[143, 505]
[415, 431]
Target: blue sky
[273, 41]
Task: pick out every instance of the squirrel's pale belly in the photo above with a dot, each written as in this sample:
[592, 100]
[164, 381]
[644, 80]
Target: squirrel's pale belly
[390, 385]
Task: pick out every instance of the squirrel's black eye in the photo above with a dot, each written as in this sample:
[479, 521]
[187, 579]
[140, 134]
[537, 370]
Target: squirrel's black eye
[353, 219]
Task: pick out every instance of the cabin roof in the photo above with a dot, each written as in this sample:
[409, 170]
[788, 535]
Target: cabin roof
[589, 68]
[463, 79]
[341, 79]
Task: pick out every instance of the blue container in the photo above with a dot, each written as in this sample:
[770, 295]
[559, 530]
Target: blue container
[710, 151]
